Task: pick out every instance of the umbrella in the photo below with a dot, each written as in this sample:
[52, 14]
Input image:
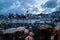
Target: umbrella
[21, 28]
[10, 30]
[45, 26]
[57, 27]
[26, 31]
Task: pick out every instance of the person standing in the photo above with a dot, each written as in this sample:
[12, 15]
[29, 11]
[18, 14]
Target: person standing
[59, 36]
[52, 36]
[56, 36]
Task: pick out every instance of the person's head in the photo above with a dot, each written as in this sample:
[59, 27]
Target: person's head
[57, 32]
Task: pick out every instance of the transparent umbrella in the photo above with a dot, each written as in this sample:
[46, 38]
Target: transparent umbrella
[21, 28]
[26, 31]
[10, 30]
[45, 26]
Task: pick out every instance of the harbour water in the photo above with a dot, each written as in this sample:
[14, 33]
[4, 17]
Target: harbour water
[23, 21]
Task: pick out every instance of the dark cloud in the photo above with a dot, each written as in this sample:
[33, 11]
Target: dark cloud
[50, 4]
[47, 11]
[5, 5]
[57, 8]
[35, 9]
[27, 1]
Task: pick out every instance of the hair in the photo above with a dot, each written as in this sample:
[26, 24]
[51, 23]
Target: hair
[26, 34]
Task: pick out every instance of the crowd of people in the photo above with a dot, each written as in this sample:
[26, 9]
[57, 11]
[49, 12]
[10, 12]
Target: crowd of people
[30, 32]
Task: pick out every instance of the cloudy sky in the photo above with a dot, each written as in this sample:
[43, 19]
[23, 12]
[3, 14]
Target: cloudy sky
[34, 6]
